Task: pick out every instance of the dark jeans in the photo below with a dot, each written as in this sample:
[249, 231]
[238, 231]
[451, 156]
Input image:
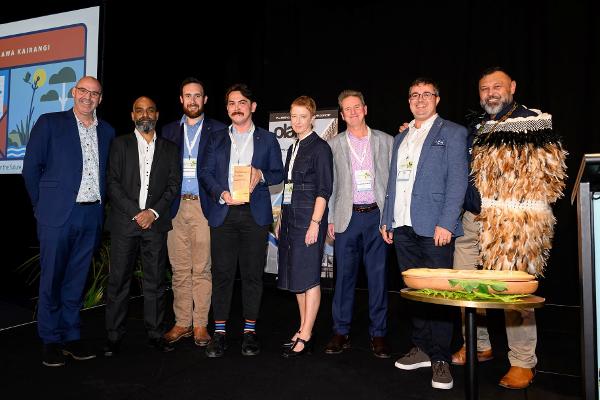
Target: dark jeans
[239, 240]
[432, 324]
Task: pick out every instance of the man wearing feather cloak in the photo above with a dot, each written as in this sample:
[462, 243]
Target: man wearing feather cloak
[518, 170]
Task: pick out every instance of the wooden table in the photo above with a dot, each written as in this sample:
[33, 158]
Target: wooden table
[472, 384]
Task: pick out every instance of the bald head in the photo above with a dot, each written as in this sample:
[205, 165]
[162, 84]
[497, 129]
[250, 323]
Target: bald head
[87, 95]
[144, 114]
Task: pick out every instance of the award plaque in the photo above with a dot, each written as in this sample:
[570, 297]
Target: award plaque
[241, 183]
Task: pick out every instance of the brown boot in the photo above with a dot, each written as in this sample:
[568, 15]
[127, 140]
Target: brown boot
[517, 378]
[177, 332]
[201, 336]
[460, 357]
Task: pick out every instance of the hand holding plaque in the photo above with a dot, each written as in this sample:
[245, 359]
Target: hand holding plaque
[241, 183]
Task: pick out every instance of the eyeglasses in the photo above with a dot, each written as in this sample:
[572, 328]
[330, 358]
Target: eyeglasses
[425, 96]
[84, 92]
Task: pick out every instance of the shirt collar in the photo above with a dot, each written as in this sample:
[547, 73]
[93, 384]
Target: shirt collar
[139, 137]
[425, 124]
[183, 120]
[250, 130]
[80, 123]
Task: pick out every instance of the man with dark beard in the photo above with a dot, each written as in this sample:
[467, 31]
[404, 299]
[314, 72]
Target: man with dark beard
[143, 179]
[189, 241]
[518, 170]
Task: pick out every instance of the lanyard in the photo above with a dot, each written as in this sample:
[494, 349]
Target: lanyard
[360, 159]
[293, 158]
[188, 144]
[235, 147]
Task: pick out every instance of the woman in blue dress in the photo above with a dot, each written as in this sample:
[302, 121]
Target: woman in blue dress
[302, 226]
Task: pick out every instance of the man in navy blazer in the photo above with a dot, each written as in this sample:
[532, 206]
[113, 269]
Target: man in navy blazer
[421, 216]
[189, 240]
[65, 175]
[239, 230]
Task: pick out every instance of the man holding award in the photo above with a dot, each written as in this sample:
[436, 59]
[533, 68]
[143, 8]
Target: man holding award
[239, 165]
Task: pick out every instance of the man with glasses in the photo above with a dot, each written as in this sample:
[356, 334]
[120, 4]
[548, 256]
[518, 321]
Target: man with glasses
[421, 217]
[361, 157]
[65, 175]
[239, 228]
[518, 171]
[189, 241]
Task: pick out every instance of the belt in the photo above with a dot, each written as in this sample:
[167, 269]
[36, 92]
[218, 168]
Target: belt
[188, 196]
[364, 208]
[87, 203]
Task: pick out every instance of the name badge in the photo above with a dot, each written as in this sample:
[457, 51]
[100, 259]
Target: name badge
[363, 180]
[404, 171]
[288, 188]
[189, 167]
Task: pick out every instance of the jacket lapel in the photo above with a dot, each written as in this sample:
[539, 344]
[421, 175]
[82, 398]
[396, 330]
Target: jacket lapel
[426, 149]
[133, 156]
[375, 144]
[256, 143]
[346, 154]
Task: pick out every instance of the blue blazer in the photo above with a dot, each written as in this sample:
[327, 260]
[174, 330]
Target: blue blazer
[174, 133]
[53, 165]
[214, 172]
[440, 182]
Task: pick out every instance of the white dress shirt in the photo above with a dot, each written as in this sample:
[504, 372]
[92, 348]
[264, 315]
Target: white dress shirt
[409, 153]
[145, 155]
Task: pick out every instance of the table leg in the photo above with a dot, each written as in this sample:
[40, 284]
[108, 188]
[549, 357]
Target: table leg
[471, 382]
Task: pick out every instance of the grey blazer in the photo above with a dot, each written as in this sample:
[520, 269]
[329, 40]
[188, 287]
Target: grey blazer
[340, 203]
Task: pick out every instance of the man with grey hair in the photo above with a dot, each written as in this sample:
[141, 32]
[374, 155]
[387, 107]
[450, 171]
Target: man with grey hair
[361, 158]
[65, 175]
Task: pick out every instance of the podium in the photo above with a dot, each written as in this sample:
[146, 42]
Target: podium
[587, 195]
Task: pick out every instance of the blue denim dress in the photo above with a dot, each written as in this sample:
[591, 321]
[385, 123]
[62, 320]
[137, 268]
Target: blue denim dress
[299, 266]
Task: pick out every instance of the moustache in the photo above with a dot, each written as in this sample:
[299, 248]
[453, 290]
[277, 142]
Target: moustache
[493, 98]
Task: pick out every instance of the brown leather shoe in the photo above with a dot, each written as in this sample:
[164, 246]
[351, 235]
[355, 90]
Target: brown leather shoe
[177, 332]
[337, 344]
[460, 357]
[517, 378]
[379, 347]
[201, 336]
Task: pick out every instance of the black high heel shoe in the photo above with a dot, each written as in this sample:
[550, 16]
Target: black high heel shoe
[308, 347]
[288, 345]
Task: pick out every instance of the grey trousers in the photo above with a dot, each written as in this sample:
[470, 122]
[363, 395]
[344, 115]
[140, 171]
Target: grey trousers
[521, 330]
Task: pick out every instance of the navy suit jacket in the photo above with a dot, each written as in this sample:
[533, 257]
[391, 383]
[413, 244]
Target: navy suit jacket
[53, 165]
[174, 133]
[440, 182]
[214, 174]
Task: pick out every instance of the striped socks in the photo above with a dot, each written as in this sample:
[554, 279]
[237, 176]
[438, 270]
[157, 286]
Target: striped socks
[249, 326]
[220, 326]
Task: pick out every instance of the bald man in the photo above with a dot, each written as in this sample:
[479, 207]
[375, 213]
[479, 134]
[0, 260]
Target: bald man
[144, 178]
[68, 207]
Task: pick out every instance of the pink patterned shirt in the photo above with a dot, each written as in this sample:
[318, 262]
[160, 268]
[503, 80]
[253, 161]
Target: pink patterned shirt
[362, 159]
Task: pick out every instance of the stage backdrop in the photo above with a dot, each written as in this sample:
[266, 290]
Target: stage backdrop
[326, 126]
[41, 59]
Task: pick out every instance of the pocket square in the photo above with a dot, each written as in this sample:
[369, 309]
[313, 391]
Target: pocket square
[439, 142]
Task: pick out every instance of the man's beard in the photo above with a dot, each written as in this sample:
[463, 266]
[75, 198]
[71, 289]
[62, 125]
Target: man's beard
[145, 125]
[193, 114]
[495, 109]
